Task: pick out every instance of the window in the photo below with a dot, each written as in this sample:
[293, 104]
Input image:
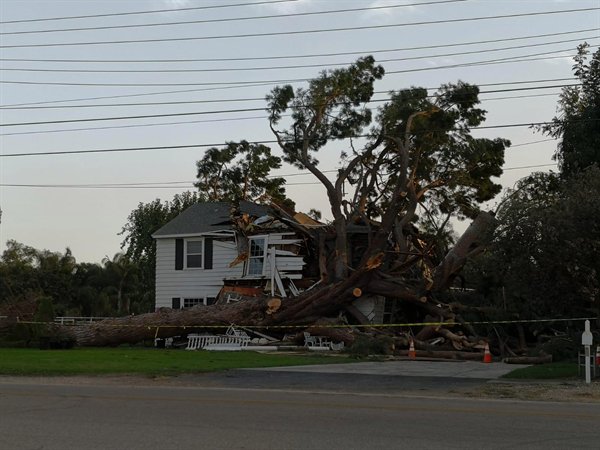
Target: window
[189, 302]
[256, 257]
[194, 249]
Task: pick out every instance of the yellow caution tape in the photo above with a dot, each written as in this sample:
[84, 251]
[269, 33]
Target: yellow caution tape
[266, 327]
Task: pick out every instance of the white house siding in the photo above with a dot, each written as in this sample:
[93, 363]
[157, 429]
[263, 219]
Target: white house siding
[192, 283]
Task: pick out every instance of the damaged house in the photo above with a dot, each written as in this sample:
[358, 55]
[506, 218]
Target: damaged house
[215, 252]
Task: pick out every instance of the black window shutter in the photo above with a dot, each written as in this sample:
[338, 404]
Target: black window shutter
[178, 254]
[208, 253]
[176, 303]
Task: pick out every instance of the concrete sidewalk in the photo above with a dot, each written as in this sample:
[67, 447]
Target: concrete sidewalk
[407, 368]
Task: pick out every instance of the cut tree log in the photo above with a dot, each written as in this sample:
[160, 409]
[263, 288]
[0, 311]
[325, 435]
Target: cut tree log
[529, 359]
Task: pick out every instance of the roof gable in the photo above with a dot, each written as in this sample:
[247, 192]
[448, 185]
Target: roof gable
[207, 217]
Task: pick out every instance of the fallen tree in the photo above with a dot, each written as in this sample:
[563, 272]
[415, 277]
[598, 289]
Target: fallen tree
[400, 182]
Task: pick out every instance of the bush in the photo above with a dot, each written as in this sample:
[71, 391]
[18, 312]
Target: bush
[365, 346]
[562, 348]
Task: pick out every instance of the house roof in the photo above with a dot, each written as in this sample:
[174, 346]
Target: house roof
[207, 217]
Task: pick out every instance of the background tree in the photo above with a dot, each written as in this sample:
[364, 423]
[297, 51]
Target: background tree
[140, 247]
[578, 125]
[544, 259]
[122, 276]
[240, 171]
[26, 272]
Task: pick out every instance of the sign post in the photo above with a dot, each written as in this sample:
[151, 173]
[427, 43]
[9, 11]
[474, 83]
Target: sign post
[586, 341]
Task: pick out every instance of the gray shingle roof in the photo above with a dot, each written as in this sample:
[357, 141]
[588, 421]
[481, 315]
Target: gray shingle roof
[207, 217]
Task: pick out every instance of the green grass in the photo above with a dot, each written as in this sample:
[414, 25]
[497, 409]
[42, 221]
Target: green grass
[102, 361]
[548, 371]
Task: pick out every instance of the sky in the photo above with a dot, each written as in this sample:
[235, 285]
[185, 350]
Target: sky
[81, 201]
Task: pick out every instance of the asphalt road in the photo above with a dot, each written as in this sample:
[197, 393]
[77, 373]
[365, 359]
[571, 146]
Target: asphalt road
[90, 417]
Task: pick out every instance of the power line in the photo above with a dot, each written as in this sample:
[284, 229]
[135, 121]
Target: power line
[189, 122]
[65, 130]
[295, 66]
[532, 142]
[190, 184]
[511, 59]
[220, 144]
[314, 55]
[224, 111]
[301, 32]
[179, 91]
[530, 167]
[231, 19]
[254, 99]
[155, 11]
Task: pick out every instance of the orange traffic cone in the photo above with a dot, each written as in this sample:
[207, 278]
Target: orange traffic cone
[487, 356]
[598, 355]
[412, 354]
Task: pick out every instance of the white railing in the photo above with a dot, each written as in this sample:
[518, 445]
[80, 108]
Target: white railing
[79, 320]
[212, 342]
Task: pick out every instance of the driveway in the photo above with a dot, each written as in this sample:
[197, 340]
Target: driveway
[408, 368]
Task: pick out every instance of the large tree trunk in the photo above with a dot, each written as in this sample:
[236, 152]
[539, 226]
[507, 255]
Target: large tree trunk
[468, 245]
[306, 310]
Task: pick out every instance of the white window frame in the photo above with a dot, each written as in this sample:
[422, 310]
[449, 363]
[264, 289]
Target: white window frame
[264, 237]
[194, 302]
[185, 254]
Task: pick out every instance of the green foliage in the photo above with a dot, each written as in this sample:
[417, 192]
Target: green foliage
[546, 246]
[578, 126]
[240, 171]
[562, 348]
[331, 108]
[453, 169]
[365, 346]
[26, 272]
[450, 170]
[45, 310]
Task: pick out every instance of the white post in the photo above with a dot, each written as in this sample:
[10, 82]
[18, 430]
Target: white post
[586, 341]
[272, 264]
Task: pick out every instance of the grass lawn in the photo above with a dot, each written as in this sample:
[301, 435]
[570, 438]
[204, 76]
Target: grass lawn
[548, 371]
[103, 361]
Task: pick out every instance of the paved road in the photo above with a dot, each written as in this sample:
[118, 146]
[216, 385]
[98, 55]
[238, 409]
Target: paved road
[63, 417]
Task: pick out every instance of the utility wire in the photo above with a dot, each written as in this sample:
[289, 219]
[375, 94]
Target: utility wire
[190, 184]
[155, 11]
[226, 111]
[189, 122]
[302, 32]
[530, 167]
[314, 55]
[179, 91]
[300, 66]
[511, 59]
[220, 144]
[232, 19]
[255, 99]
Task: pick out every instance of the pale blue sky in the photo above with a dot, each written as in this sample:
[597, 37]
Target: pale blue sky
[87, 220]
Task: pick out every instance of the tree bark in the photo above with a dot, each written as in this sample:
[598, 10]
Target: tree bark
[469, 244]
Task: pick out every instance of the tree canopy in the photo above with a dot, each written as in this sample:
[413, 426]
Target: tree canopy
[544, 258]
[578, 123]
[240, 171]
[416, 154]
